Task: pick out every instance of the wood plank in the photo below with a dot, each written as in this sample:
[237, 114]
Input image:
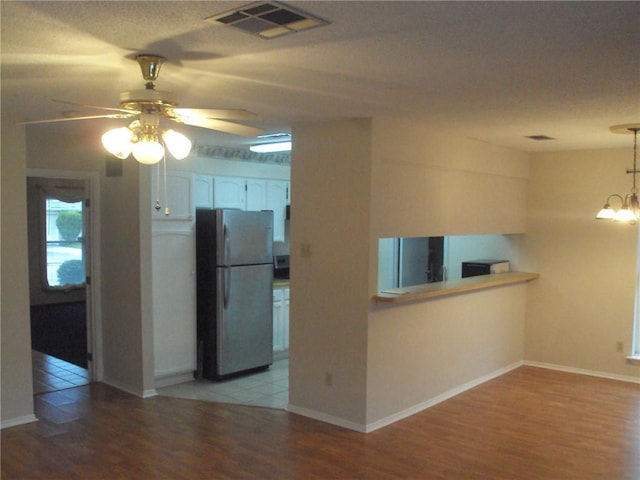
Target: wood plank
[530, 424]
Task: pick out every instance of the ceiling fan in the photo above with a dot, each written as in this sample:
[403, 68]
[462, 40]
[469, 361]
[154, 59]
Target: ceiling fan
[150, 106]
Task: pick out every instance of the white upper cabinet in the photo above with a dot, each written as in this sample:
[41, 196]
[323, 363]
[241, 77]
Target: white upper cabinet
[277, 200]
[256, 194]
[176, 204]
[203, 191]
[229, 192]
[252, 194]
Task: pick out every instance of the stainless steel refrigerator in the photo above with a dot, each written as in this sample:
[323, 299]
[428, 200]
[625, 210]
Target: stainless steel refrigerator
[234, 269]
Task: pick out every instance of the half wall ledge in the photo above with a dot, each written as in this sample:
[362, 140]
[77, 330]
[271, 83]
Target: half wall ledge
[428, 291]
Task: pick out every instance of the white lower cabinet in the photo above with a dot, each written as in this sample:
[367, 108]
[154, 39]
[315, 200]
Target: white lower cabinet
[280, 319]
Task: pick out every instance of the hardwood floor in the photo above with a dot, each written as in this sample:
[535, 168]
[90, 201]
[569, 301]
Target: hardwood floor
[528, 424]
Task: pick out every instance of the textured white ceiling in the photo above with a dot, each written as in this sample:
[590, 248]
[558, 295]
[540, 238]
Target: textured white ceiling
[496, 71]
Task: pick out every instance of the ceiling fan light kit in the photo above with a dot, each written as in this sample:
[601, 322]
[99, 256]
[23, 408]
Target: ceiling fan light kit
[146, 141]
[629, 211]
[144, 137]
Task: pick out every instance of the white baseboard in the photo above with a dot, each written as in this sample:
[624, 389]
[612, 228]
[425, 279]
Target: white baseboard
[370, 427]
[582, 371]
[14, 422]
[440, 398]
[128, 389]
[173, 379]
[323, 417]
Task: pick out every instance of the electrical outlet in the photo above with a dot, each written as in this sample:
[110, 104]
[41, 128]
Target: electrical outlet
[305, 250]
[328, 379]
[619, 347]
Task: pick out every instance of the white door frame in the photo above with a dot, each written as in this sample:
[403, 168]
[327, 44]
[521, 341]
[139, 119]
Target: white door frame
[94, 289]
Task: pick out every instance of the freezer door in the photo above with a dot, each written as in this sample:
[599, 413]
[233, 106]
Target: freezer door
[244, 238]
[244, 321]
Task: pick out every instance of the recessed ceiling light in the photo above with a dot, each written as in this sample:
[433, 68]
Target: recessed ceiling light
[540, 137]
[268, 19]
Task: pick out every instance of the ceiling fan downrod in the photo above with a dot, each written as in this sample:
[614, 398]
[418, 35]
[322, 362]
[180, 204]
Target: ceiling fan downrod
[150, 65]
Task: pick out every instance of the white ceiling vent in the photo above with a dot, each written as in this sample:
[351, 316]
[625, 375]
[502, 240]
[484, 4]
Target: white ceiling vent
[268, 19]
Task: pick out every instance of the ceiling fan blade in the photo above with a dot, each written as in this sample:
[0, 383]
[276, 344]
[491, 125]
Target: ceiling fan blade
[68, 119]
[219, 113]
[223, 126]
[75, 104]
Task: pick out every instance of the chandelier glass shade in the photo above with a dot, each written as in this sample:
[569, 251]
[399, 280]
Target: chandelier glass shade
[629, 208]
[146, 141]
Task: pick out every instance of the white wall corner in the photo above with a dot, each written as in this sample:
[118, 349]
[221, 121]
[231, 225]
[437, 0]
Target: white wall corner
[323, 417]
[131, 390]
[14, 422]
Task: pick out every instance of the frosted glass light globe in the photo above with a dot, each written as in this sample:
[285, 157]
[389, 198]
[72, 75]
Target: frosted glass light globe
[148, 150]
[177, 144]
[118, 142]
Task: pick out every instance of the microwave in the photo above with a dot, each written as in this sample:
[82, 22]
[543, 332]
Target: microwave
[474, 268]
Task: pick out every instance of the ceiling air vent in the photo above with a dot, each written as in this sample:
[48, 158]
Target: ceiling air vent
[540, 137]
[268, 19]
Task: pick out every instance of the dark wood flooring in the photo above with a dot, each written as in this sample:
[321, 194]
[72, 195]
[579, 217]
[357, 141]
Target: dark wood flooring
[528, 424]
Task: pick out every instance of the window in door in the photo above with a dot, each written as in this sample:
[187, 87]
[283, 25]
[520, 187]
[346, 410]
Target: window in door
[64, 245]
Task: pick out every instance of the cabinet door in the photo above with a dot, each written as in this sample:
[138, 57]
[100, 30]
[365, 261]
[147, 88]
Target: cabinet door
[285, 320]
[178, 201]
[277, 321]
[256, 195]
[229, 192]
[174, 302]
[203, 191]
[277, 197]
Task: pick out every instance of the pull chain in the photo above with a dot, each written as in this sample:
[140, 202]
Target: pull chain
[166, 197]
[158, 206]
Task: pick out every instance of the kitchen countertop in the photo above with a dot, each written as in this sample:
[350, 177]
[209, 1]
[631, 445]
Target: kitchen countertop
[280, 283]
[452, 287]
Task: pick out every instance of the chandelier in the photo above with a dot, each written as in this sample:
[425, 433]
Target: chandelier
[629, 211]
[146, 141]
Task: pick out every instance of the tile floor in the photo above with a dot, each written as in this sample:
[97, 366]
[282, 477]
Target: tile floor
[51, 374]
[269, 388]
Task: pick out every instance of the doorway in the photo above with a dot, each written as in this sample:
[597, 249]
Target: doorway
[60, 231]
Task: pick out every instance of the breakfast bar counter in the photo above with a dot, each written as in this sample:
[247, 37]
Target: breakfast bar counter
[452, 287]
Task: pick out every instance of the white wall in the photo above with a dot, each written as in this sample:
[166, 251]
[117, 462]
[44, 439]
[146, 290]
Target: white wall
[363, 180]
[462, 248]
[16, 405]
[429, 184]
[125, 249]
[330, 172]
[583, 303]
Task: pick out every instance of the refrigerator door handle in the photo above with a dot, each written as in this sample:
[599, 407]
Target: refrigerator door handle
[226, 246]
[226, 289]
[226, 285]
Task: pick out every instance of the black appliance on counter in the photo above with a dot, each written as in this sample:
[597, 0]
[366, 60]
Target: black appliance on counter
[484, 267]
[281, 267]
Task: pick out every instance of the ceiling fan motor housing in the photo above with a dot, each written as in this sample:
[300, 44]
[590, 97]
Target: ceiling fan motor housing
[148, 100]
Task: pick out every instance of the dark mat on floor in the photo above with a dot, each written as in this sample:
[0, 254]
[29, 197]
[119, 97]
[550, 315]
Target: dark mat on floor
[60, 330]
